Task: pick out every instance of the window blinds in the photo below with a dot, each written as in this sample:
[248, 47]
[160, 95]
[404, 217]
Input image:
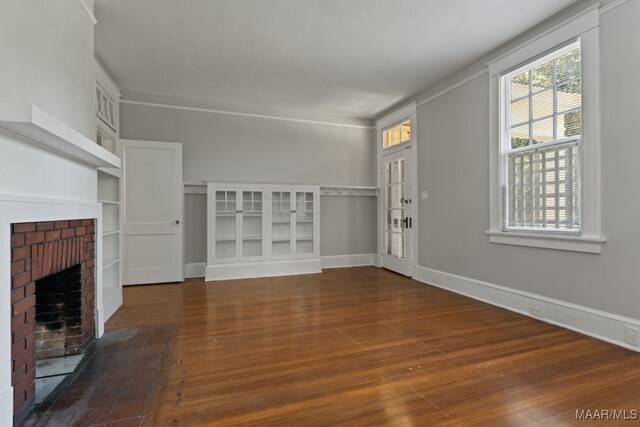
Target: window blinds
[544, 188]
[542, 159]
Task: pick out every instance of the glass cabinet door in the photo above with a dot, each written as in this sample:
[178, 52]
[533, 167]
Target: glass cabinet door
[280, 223]
[225, 227]
[304, 222]
[252, 233]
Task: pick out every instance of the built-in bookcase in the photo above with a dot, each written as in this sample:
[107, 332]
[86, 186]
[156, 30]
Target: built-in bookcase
[109, 196]
[263, 226]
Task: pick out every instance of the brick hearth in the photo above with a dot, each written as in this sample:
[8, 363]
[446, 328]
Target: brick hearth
[38, 250]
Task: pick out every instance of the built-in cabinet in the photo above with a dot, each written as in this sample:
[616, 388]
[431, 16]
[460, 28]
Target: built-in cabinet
[262, 230]
[109, 194]
[106, 119]
[109, 197]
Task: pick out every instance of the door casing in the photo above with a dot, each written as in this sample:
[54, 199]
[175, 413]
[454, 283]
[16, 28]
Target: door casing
[408, 112]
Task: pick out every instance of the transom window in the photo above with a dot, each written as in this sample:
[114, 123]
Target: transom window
[542, 104]
[396, 134]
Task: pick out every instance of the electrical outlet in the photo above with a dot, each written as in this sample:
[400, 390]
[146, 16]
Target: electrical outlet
[630, 335]
[536, 311]
[423, 194]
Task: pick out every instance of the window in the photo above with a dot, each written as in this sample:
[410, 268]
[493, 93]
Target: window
[541, 143]
[396, 134]
[544, 140]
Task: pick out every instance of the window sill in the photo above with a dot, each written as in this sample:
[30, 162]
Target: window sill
[591, 245]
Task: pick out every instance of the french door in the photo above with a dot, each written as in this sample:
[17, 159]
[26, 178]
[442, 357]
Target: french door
[397, 211]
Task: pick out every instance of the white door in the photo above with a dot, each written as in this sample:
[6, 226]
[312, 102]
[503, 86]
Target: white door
[152, 218]
[397, 212]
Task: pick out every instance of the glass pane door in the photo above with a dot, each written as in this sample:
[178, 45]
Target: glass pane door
[281, 223]
[252, 224]
[304, 222]
[396, 222]
[226, 224]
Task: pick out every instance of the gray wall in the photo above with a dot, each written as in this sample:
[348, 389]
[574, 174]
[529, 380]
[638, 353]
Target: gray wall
[221, 147]
[239, 148]
[453, 166]
[47, 60]
[352, 221]
[195, 228]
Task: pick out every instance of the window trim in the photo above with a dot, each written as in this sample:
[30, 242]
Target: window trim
[584, 27]
[390, 149]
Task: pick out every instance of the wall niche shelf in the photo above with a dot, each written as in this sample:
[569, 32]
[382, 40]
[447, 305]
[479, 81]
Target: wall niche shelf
[344, 190]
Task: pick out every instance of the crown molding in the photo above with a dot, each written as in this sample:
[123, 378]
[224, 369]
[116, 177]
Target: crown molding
[580, 22]
[453, 86]
[235, 113]
[397, 115]
[610, 6]
[89, 12]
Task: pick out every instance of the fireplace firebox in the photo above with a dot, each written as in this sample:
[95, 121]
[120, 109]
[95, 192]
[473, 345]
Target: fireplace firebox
[52, 297]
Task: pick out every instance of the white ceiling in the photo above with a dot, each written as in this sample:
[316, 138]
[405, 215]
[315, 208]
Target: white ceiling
[343, 58]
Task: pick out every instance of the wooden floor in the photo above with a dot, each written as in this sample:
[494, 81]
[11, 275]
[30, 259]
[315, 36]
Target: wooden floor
[363, 346]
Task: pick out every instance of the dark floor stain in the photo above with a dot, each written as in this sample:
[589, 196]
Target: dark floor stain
[113, 385]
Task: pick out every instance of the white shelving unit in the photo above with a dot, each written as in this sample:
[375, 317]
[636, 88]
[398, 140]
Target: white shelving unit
[259, 230]
[109, 196]
[109, 193]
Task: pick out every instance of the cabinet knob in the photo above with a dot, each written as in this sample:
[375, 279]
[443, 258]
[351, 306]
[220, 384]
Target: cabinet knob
[177, 222]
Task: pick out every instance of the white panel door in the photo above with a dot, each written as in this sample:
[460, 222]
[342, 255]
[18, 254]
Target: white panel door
[397, 212]
[152, 218]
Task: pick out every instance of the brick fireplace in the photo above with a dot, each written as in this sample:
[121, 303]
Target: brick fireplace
[52, 297]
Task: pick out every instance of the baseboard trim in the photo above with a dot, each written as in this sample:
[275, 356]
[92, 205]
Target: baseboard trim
[597, 324]
[353, 260]
[252, 270]
[6, 402]
[195, 270]
[111, 304]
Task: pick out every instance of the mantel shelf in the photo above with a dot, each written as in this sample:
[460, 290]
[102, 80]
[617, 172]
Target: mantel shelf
[33, 125]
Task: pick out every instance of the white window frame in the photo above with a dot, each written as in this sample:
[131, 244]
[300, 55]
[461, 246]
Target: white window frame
[584, 27]
[399, 146]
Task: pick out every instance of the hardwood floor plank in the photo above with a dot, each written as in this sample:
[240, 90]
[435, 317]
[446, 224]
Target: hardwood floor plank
[363, 346]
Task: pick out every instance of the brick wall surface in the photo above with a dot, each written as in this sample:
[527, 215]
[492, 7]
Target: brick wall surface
[39, 249]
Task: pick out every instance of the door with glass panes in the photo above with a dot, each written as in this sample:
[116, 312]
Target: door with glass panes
[398, 220]
[305, 223]
[293, 223]
[281, 223]
[239, 225]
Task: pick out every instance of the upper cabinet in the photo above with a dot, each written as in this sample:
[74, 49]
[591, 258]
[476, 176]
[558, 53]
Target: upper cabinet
[107, 110]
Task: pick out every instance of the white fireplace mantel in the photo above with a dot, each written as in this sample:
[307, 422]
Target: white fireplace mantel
[30, 124]
[48, 172]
